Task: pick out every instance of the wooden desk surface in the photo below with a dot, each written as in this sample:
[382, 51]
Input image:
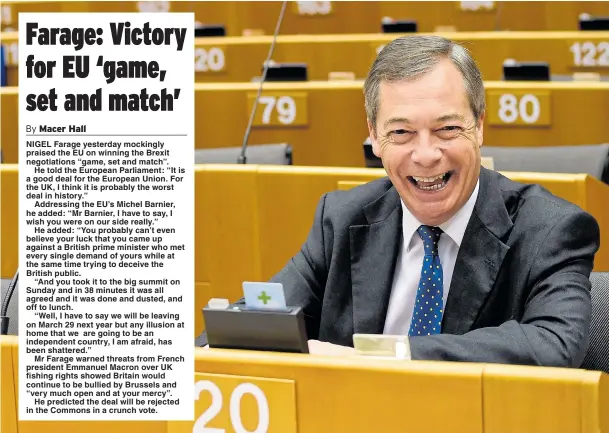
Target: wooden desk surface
[310, 394]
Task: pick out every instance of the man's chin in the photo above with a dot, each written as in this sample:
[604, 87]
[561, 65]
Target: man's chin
[432, 216]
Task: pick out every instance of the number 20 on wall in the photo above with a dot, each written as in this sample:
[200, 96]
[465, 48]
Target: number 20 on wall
[210, 59]
[240, 404]
[236, 421]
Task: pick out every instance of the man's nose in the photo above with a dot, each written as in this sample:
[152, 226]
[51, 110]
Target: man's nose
[426, 153]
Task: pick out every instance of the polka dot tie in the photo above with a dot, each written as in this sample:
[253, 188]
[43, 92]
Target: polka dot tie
[428, 307]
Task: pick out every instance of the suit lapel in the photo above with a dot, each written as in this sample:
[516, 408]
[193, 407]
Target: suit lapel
[480, 257]
[374, 251]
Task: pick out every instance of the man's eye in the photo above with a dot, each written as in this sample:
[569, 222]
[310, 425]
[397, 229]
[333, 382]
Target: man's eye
[400, 132]
[451, 128]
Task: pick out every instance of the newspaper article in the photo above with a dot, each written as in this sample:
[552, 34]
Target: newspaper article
[106, 214]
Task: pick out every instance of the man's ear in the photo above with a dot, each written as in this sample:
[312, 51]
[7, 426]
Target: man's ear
[374, 139]
[480, 130]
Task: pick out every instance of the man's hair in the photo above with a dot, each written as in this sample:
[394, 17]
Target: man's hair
[409, 57]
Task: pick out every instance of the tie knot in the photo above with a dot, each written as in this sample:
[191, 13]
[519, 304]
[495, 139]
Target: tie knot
[430, 237]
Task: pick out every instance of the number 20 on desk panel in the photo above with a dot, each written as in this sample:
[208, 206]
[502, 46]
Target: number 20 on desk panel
[210, 60]
[240, 404]
[521, 108]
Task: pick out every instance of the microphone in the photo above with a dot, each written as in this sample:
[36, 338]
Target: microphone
[7, 298]
[242, 158]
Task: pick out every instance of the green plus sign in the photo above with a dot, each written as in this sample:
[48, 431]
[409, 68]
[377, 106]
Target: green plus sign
[264, 298]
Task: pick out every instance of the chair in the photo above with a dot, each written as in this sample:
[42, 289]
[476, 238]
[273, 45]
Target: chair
[372, 161]
[597, 357]
[270, 154]
[591, 159]
[2, 68]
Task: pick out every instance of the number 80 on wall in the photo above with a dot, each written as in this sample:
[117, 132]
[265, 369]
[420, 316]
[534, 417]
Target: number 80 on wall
[519, 108]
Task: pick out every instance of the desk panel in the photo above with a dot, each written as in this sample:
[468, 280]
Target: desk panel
[595, 416]
[9, 220]
[332, 128]
[8, 390]
[256, 404]
[10, 374]
[340, 17]
[227, 195]
[325, 139]
[504, 15]
[544, 400]
[518, 114]
[239, 59]
[363, 395]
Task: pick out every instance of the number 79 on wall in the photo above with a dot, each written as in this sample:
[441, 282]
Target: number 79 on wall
[283, 109]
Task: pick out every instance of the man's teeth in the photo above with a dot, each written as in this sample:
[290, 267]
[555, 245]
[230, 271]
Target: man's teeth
[428, 179]
[433, 187]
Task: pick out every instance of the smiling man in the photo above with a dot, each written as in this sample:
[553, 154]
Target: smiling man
[470, 265]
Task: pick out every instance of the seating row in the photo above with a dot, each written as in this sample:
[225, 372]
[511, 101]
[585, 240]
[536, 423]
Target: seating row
[251, 219]
[358, 395]
[237, 59]
[325, 122]
[340, 17]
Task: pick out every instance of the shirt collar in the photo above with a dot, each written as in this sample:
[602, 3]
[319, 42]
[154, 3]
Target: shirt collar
[454, 227]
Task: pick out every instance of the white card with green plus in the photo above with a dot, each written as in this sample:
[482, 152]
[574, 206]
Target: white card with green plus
[264, 295]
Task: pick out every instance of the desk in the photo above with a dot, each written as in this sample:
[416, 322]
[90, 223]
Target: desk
[250, 220]
[541, 400]
[234, 59]
[325, 122]
[339, 17]
[311, 394]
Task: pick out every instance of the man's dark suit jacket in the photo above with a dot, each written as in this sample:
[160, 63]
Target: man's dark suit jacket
[520, 291]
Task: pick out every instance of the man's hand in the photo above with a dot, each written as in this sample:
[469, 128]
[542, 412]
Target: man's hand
[320, 348]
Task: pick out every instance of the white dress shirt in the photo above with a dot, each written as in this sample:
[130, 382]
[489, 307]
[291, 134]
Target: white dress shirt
[410, 261]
